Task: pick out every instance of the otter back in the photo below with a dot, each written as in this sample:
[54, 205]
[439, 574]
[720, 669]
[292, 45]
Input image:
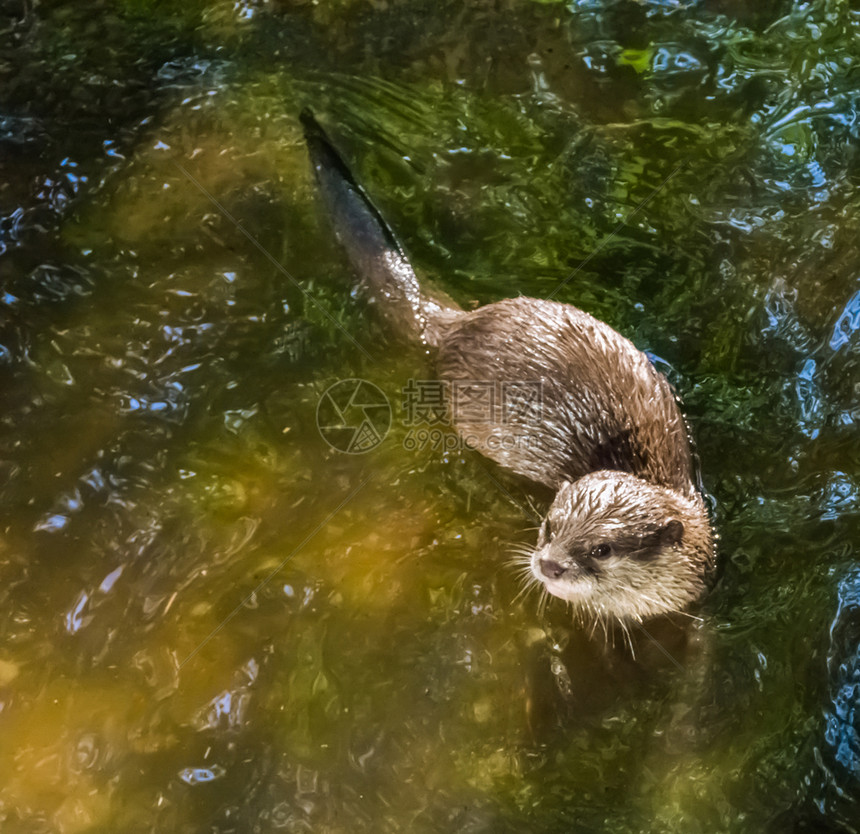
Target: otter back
[602, 404]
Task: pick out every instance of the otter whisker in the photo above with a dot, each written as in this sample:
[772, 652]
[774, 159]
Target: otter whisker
[527, 583]
[536, 510]
[688, 615]
[628, 637]
[660, 646]
[542, 602]
[520, 594]
[523, 569]
[521, 564]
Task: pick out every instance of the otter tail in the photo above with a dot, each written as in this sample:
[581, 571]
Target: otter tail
[384, 269]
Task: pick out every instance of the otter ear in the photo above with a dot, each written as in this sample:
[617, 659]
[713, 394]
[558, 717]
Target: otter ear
[671, 532]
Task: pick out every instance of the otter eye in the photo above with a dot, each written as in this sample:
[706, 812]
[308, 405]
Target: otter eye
[600, 551]
[547, 529]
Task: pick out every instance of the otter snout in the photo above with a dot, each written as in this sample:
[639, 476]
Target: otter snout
[551, 569]
[552, 566]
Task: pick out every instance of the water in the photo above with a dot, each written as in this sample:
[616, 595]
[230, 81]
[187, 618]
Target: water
[214, 621]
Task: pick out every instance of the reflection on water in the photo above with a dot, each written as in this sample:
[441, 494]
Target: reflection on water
[211, 619]
[840, 754]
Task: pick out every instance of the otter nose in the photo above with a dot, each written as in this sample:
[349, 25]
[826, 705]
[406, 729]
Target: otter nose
[550, 569]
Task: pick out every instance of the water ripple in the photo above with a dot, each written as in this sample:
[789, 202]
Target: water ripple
[847, 324]
[841, 757]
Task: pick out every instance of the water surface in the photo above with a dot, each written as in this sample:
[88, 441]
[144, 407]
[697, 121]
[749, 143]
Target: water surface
[214, 621]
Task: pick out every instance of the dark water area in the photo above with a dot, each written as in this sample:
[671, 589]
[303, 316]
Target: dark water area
[211, 619]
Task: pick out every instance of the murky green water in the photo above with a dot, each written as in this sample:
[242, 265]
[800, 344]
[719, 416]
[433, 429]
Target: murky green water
[213, 621]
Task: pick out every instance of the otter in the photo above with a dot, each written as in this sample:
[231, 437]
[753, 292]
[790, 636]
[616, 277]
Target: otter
[584, 412]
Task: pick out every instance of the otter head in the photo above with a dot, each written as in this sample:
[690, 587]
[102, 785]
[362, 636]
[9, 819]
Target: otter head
[618, 547]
